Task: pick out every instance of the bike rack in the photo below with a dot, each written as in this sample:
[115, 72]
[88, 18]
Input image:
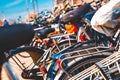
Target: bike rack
[84, 53]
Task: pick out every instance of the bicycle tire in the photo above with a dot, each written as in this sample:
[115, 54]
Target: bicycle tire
[22, 52]
[71, 70]
[24, 63]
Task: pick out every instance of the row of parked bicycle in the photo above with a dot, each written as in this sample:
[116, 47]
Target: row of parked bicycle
[67, 48]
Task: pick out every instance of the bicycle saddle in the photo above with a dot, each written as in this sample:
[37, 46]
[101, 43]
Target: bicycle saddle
[44, 32]
[13, 36]
[76, 14]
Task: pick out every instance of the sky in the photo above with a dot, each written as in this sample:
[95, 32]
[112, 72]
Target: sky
[14, 8]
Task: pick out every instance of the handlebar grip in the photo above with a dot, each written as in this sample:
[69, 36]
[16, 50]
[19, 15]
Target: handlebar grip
[13, 36]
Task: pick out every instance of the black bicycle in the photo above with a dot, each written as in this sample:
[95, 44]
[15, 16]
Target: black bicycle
[11, 37]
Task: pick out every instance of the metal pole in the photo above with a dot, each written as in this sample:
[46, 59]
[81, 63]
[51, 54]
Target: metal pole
[10, 71]
[37, 6]
[33, 5]
[27, 6]
[3, 14]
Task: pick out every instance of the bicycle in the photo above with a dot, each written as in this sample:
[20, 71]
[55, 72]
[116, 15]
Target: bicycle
[106, 69]
[12, 35]
[77, 68]
[35, 56]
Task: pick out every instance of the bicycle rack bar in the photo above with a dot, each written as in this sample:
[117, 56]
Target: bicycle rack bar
[87, 50]
[59, 35]
[103, 66]
[84, 53]
[104, 71]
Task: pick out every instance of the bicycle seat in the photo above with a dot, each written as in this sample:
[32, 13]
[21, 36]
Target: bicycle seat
[13, 36]
[44, 32]
[76, 14]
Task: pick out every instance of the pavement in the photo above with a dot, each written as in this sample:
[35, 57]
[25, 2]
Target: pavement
[16, 69]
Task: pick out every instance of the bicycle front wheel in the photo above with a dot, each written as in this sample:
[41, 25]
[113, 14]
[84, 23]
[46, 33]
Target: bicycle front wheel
[22, 65]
